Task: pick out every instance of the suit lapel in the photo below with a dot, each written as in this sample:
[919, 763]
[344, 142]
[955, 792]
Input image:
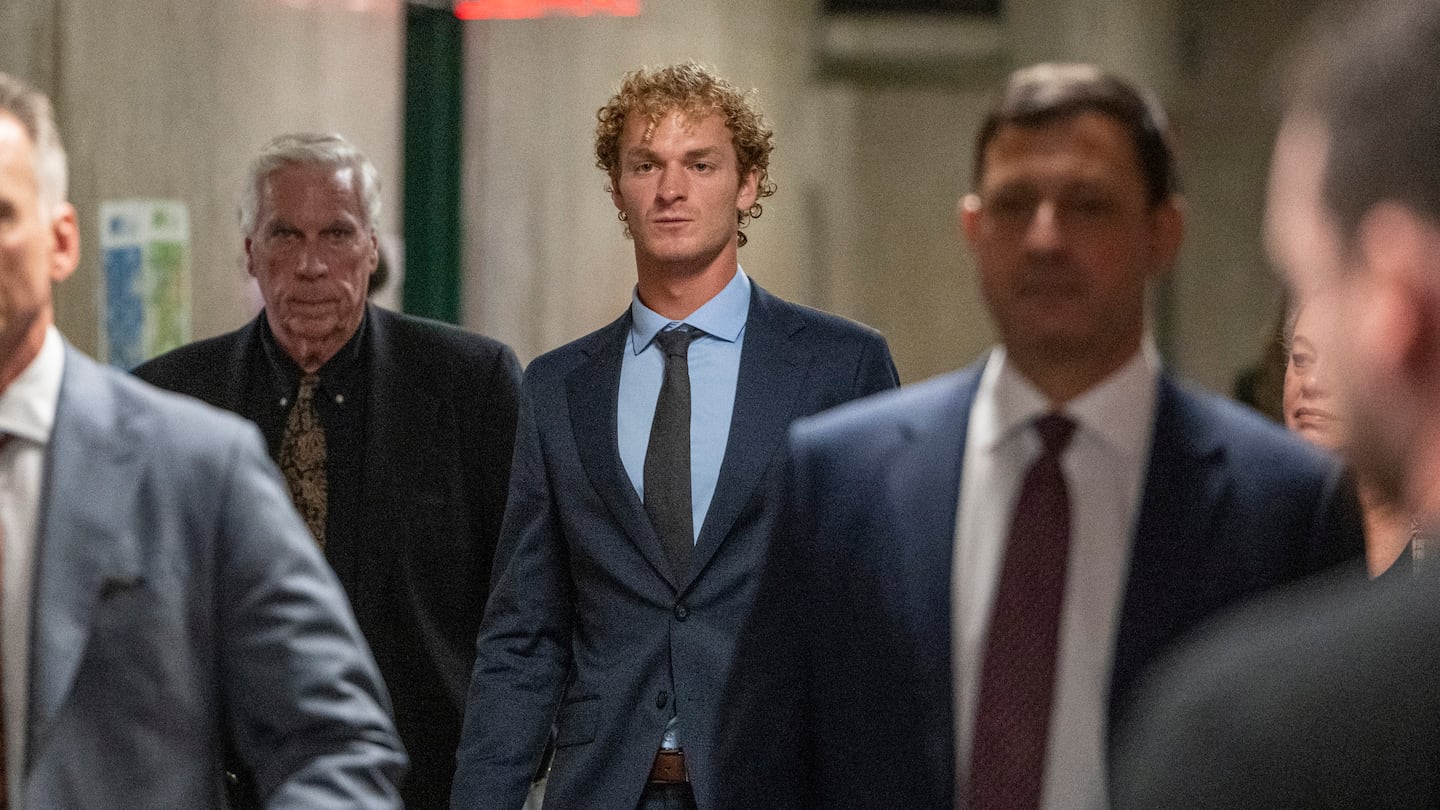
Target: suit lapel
[241, 357]
[593, 392]
[771, 368]
[1185, 486]
[400, 419]
[85, 540]
[924, 486]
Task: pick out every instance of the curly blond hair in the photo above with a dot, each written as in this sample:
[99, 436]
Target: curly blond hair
[695, 91]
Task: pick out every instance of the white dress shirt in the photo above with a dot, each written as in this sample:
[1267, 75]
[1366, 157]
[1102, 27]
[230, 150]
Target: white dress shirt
[27, 413]
[1104, 468]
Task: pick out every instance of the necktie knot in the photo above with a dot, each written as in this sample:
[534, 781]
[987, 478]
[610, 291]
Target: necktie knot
[308, 384]
[676, 342]
[1055, 431]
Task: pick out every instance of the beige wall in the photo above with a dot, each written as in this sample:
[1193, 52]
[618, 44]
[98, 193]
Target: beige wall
[869, 170]
[169, 98]
[545, 257]
[164, 98]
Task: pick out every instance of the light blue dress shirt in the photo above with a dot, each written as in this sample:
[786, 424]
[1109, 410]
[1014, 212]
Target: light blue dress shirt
[714, 370]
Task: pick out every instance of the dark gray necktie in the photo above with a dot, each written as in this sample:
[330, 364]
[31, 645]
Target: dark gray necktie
[667, 457]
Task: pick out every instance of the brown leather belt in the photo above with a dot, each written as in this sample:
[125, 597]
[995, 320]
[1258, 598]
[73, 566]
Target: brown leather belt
[669, 768]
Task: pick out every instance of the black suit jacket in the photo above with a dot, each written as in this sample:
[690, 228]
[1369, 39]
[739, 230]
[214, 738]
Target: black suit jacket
[1323, 698]
[587, 626]
[843, 694]
[439, 433]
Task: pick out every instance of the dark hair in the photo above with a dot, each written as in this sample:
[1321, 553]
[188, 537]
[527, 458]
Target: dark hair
[1040, 94]
[1369, 75]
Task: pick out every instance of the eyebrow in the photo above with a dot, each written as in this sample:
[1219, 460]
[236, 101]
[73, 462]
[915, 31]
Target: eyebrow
[642, 152]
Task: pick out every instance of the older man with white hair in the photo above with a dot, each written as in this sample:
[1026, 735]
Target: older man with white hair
[394, 432]
[163, 609]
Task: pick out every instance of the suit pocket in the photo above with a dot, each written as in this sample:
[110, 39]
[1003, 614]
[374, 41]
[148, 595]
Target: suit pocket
[576, 723]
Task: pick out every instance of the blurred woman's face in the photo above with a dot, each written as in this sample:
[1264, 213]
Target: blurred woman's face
[1311, 407]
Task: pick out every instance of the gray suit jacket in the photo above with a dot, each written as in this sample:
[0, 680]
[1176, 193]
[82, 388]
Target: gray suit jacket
[179, 603]
[587, 625]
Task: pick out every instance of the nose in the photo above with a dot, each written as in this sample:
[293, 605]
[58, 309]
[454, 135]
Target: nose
[1315, 382]
[671, 187]
[1043, 234]
[312, 262]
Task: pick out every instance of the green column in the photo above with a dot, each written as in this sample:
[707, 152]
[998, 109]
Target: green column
[434, 79]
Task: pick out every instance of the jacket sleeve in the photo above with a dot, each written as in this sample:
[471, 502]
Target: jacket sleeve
[876, 371]
[523, 651]
[304, 702]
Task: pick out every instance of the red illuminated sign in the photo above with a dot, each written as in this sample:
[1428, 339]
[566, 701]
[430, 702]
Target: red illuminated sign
[531, 9]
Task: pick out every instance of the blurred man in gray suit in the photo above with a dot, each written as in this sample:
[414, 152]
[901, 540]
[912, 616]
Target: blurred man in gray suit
[1332, 699]
[162, 602]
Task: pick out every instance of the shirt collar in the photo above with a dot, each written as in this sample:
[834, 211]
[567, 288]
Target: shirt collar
[337, 376]
[1119, 410]
[723, 316]
[27, 406]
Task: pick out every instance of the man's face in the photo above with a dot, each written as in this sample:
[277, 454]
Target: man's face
[680, 190]
[312, 253]
[1311, 405]
[37, 248]
[1066, 240]
[1305, 245]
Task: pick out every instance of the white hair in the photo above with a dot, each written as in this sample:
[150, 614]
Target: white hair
[36, 115]
[309, 149]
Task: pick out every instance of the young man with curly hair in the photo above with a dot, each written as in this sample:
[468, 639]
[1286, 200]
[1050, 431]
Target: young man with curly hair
[645, 457]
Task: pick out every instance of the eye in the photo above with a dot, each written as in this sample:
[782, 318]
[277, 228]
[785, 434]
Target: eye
[1300, 360]
[703, 167]
[1088, 205]
[643, 167]
[1008, 207]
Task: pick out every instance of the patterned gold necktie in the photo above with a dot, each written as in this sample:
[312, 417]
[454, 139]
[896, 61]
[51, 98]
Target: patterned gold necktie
[302, 458]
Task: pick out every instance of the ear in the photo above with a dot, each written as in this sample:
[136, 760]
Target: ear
[749, 190]
[1400, 255]
[1167, 223]
[249, 257]
[967, 217]
[615, 196]
[374, 257]
[65, 240]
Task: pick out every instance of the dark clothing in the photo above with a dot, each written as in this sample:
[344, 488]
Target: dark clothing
[589, 625]
[436, 426]
[1325, 698]
[842, 694]
[270, 393]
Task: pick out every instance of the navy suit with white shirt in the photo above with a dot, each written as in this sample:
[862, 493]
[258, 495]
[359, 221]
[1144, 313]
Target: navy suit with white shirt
[867, 616]
[587, 626]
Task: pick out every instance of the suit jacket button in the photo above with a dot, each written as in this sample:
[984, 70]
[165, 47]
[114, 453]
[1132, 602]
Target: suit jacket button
[661, 699]
[681, 612]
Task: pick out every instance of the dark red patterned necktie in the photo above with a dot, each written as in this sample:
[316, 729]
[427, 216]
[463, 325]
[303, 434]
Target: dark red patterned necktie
[1017, 681]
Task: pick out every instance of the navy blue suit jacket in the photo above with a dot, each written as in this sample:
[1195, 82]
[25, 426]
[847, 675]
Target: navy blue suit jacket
[586, 624]
[843, 694]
